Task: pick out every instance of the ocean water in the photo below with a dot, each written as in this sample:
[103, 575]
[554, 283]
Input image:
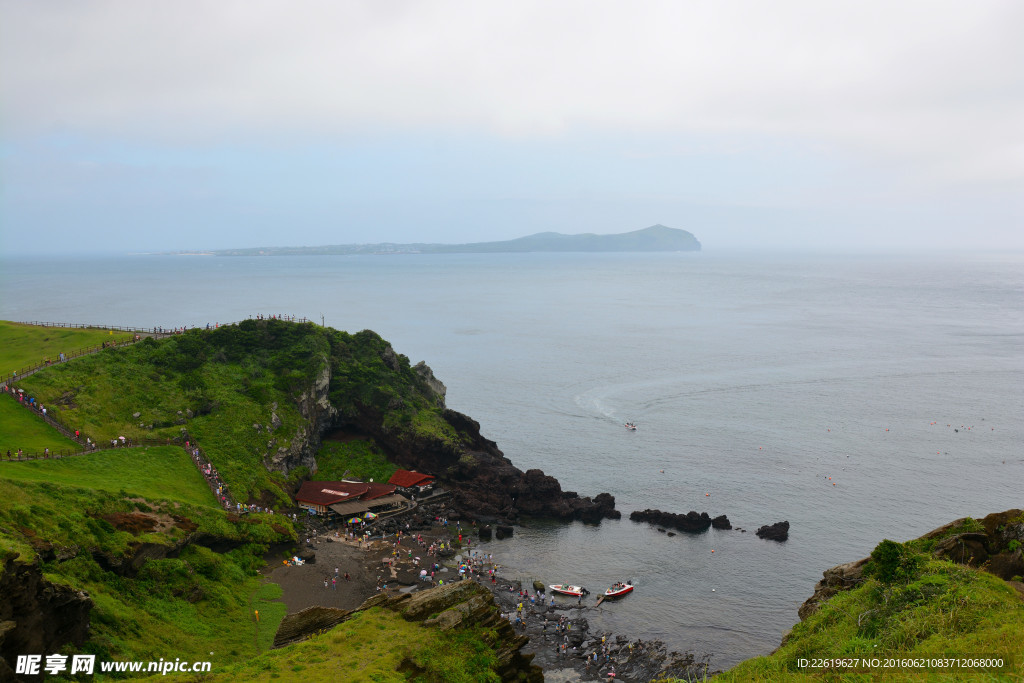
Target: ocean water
[858, 397]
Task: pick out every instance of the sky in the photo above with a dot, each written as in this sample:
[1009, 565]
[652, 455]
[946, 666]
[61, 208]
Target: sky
[164, 125]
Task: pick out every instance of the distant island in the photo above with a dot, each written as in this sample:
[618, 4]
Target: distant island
[654, 238]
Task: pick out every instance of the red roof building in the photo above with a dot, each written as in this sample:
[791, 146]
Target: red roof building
[405, 479]
[319, 495]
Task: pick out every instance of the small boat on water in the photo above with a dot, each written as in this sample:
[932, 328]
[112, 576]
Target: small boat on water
[619, 589]
[630, 426]
[566, 589]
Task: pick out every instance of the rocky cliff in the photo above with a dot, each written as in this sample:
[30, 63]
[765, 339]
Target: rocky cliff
[485, 484]
[36, 616]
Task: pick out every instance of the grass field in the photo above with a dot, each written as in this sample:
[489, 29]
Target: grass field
[21, 428]
[944, 611]
[155, 473]
[372, 647]
[25, 345]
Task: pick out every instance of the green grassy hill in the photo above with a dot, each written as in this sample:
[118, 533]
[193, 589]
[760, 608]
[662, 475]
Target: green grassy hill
[21, 428]
[912, 604]
[26, 345]
[245, 392]
[158, 472]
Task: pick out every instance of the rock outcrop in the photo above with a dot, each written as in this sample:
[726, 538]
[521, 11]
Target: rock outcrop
[774, 532]
[315, 406]
[37, 616]
[692, 522]
[833, 581]
[459, 605]
[484, 483]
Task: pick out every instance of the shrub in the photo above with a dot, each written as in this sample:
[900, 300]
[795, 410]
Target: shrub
[891, 562]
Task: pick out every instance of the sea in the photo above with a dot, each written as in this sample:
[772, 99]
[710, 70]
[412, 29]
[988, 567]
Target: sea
[857, 396]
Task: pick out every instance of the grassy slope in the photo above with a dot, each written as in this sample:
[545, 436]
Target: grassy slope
[357, 459]
[187, 606]
[25, 345]
[370, 647]
[229, 379]
[199, 601]
[940, 609]
[21, 428]
[159, 472]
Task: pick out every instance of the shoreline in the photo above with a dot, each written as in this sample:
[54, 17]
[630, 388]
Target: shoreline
[560, 637]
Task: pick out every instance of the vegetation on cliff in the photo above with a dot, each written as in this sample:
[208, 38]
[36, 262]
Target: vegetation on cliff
[911, 602]
[452, 634]
[244, 392]
[126, 552]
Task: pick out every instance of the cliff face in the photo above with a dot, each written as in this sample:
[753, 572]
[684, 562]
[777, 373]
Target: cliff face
[315, 406]
[484, 482]
[36, 616]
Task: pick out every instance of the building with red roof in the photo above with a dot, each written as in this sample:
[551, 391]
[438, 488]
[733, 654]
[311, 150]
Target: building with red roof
[321, 496]
[408, 481]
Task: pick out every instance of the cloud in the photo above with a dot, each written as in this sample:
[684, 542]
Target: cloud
[935, 86]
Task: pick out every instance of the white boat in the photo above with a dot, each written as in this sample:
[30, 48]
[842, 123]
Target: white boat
[619, 589]
[566, 589]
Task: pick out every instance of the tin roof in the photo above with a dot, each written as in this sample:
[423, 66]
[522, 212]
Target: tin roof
[406, 479]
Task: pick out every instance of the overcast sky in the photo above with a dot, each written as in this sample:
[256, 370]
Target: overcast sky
[190, 124]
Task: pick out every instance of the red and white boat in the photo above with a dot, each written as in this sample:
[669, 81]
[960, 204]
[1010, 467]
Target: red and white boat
[619, 589]
[566, 589]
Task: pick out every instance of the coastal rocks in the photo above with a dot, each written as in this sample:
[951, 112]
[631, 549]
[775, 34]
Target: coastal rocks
[967, 548]
[502, 532]
[485, 532]
[774, 532]
[692, 522]
[303, 624]
[483, 482]
[833, 581]
[37, 616]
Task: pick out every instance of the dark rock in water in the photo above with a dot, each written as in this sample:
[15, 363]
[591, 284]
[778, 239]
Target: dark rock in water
[503, 531]
[671, 534]
[661, 530]
[776, 532]
[307, 556]
[485, 532]
[539, 586]
[691, 522]
[721, 522]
